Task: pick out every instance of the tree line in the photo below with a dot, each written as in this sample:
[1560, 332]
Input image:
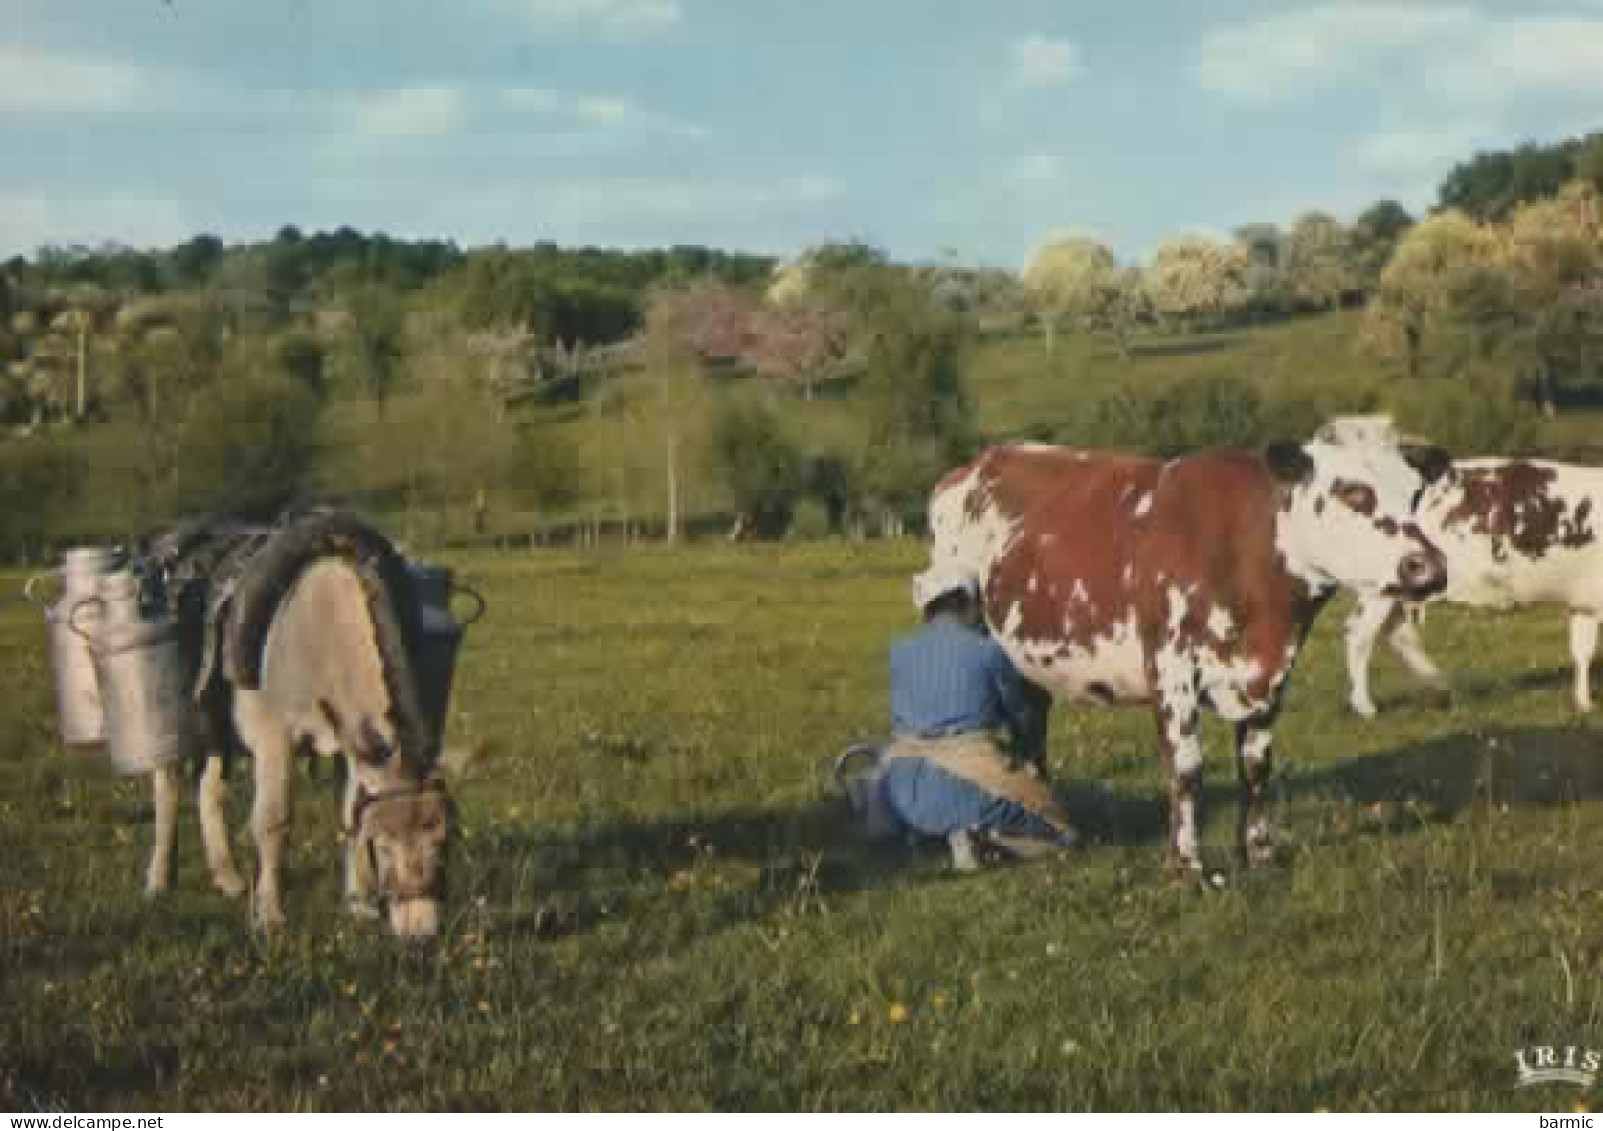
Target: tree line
[490, 374]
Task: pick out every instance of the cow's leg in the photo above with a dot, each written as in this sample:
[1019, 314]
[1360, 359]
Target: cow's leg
[1583, 642]
[359, 878]
[1410, 648]
[165, 788]
[271, 756]
[214, 828]
[1369, 617]
[1254, 763]
[1177, 708]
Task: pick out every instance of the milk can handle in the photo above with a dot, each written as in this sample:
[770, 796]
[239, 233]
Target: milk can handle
[72, 617]
[845, 767]
[27, 589]
[478, 603]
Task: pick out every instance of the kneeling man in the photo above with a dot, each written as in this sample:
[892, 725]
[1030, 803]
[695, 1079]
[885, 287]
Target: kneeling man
[968, 734]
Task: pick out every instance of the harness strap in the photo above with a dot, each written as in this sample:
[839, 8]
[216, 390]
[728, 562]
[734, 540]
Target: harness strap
[364, 799]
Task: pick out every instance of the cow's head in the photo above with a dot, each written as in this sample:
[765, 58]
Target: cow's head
[1347, 516]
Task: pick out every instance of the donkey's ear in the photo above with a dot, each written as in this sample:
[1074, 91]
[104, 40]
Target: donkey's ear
[332, 717]
[369, 745]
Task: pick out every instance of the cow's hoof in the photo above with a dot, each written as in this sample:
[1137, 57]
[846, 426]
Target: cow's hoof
[155, 887]
[1259, 855]
[1186, 876]
[1363, 708]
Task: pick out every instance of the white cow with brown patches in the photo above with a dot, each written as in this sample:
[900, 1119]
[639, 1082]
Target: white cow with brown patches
[1188, 584]
[1515, 532]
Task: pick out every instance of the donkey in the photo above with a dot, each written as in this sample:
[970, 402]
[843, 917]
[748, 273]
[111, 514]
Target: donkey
[313, 647]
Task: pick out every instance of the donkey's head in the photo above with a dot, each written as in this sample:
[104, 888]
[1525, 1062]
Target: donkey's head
[399, 826]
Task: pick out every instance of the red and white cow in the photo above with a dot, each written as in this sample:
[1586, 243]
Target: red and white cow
[1189, 584]
[1515, 532]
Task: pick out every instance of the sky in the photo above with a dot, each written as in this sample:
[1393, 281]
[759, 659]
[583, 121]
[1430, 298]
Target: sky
[930, 128]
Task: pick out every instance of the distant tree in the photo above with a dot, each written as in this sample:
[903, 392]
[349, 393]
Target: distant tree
[545, 470]
[1552, 254]
[798, 343]
[814, 272]
[450, 447]
[1076, 282]
[1320, 261]
[676, 373]
[703, 320]
[914, 401]
[373, 349]
[1588, 162]
[247, 444]
[191, 263]
[1490, 185]
[39, 479]
[1264, 247]
[1376, 233]
[1424, 284]
[1194, 278]
[760, 464]
[302, 357]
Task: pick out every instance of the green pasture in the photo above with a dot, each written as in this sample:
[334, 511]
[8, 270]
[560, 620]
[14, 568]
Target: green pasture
[653, 903]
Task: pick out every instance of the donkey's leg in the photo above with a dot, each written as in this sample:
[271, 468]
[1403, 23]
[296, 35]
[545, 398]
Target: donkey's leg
[1405, 641]
[271, 755]
[165, 789]
[1583, 642]
[1369, 617]
[214, 828]
[360, 881]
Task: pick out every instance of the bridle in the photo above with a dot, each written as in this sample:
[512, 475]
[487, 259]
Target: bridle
[364, 799]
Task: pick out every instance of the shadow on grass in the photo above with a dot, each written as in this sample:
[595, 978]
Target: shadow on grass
[1519, 766]
[617, 870]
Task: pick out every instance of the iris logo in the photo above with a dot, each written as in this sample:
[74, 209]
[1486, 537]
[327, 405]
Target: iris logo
[1557, 1064]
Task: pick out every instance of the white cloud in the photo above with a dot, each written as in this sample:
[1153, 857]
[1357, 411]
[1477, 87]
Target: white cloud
[408, 111]
[1556, 54]
[1040, 168]
[670, 198]
[1450, 48]
[34, 80]
[1039, 61]
[607, 17]
[1419, 152]
[600, 111]
[31, 219]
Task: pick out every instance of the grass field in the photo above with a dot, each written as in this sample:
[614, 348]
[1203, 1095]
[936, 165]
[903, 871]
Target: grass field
[652, 904]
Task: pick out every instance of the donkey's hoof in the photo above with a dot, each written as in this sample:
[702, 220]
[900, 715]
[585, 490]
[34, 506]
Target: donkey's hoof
[362, 908]
[269, 920]
[230, 884]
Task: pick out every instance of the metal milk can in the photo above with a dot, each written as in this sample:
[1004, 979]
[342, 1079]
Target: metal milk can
[78, 710]
[435, 585]
[144, 677]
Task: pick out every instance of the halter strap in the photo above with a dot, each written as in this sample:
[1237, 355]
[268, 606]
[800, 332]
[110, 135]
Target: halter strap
[364, 799]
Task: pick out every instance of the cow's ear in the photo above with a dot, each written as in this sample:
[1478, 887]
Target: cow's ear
[1289, 463]
[1429, 460]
